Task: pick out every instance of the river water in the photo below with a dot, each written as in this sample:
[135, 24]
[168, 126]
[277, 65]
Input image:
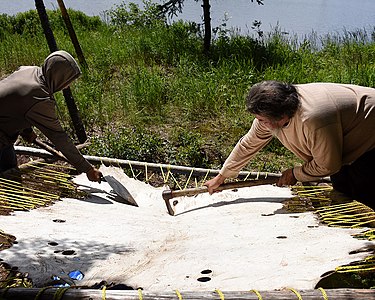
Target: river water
[297, 17]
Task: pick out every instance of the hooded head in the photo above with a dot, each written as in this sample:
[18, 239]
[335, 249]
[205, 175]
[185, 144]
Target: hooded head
[59, 70]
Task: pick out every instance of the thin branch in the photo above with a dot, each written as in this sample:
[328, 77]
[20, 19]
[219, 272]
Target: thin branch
[172, 7]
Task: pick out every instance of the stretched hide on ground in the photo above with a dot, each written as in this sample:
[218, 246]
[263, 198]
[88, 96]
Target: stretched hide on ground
[235, 241]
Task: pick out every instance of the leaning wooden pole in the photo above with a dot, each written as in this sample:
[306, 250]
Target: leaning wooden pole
[45, 25]
[283, 294]
[72, 108]
[207, 26]
[139, 165]
[72, 33]
[74, 114]
[155, 167]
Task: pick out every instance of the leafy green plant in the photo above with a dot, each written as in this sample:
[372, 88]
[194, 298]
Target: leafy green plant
[189, 148]
[130, 14]
[132, 144]
[152, 77]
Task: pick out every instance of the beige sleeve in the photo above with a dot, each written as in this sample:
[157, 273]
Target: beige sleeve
[246, 148]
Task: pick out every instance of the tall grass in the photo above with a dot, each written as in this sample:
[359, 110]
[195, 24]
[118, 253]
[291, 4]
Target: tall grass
[150, 94]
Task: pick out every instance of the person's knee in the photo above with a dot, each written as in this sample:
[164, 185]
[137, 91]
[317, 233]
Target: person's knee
[341, 181]
[8, 158]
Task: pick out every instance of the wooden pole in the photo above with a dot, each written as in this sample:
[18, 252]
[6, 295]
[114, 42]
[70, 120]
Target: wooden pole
[45, 25]
[170, 194]
[75, 116]
[29, 166]
[207, 26]
[72, 108]
[283, 294]
[139, 165]
[72, 33]
[155, 167]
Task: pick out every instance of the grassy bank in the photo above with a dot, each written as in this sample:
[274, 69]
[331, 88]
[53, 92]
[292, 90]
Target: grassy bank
[150, 94]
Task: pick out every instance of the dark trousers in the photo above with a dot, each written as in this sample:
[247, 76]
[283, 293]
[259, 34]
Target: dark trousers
[8, 158]
[358, 179]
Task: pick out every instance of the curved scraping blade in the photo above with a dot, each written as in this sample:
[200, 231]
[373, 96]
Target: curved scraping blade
[119, 189]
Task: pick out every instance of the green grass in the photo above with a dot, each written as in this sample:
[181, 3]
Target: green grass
[150, 94]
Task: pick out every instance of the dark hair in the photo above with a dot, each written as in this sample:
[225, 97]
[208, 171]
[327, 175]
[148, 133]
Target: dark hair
[273, 99]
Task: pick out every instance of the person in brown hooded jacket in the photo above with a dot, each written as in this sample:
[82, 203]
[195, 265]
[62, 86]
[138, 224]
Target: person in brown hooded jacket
[26, 101]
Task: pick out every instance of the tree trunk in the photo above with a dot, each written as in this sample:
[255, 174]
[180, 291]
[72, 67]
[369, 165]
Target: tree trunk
[207, 26]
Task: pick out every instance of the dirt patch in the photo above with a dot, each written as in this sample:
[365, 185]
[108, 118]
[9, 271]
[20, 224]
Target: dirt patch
[6, 241]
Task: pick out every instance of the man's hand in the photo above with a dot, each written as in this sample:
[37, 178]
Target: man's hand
[287, 178]
[94, 175]
[214, 183]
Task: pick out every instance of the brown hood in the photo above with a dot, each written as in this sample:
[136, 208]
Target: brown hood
[59, 70]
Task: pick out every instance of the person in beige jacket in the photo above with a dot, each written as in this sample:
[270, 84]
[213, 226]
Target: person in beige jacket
[27, 101]
[329, 126]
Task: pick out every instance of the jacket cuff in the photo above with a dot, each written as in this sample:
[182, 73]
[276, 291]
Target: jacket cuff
[301, 176]
[84, 166]
[228, 173]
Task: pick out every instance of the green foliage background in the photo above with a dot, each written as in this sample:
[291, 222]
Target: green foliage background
[150, 94]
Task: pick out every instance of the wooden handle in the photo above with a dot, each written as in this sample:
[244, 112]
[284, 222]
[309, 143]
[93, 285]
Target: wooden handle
[51, 150]
[169, 194]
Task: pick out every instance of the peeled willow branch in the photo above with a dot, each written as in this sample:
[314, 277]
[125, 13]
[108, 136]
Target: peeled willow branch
[10, 183]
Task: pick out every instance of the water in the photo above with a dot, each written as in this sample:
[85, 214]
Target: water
[297, 17]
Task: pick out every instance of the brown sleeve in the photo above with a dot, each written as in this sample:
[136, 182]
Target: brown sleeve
[43, 116]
